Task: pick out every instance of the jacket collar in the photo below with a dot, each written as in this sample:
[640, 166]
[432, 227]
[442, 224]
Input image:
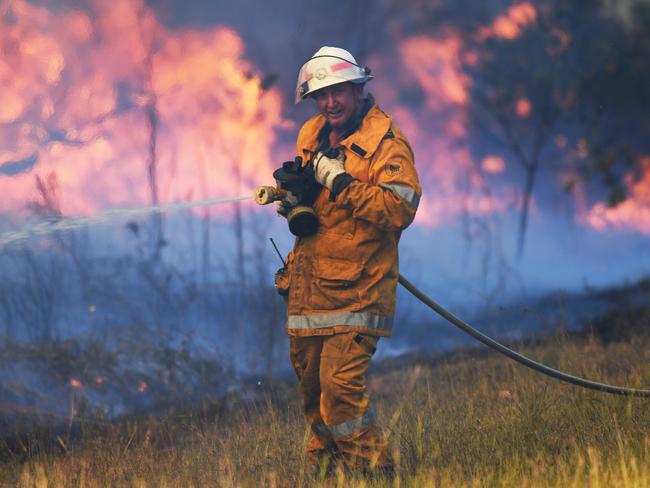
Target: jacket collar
[364, 140]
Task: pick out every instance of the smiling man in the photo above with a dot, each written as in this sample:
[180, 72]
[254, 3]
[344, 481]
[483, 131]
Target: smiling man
[343, 278]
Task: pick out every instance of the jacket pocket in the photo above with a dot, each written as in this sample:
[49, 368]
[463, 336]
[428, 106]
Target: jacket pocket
[335, 284]
[296, 288]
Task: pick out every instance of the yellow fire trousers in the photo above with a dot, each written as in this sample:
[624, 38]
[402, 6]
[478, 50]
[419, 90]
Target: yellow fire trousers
[331, 374]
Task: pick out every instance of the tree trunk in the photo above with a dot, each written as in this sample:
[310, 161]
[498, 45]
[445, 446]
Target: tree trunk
[531, 172]
[239, 231]
[205, 248]
[157, 218]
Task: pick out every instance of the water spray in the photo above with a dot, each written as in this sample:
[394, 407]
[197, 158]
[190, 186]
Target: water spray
[106, 217]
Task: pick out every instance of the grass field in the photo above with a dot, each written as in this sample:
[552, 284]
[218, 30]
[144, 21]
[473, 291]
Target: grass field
[472, 419]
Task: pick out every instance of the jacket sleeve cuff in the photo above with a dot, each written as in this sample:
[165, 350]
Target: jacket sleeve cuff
[339, 184]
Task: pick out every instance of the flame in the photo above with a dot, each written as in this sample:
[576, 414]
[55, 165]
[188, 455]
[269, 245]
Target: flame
[436, 124]
[523, 107]
[631, 214]
[142, 386]
[510, 25]
[75, 383]
[493, 164]
[507, 394]
[79, 94]
[436, 67]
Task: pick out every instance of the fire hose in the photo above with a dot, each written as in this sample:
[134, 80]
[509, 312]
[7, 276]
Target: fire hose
[265, 195]
[520, 358]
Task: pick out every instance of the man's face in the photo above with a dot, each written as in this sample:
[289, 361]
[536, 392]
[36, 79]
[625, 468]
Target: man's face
[339, 103]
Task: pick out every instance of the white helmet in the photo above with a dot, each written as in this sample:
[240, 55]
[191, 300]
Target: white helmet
[329, 66]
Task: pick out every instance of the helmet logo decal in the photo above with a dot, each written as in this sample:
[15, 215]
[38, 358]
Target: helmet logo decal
[321, 74]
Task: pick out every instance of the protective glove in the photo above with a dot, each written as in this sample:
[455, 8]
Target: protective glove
[284, 206]
[330, 172]
[326, 169]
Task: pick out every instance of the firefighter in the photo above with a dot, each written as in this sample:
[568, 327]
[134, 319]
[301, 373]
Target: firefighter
[343, 278]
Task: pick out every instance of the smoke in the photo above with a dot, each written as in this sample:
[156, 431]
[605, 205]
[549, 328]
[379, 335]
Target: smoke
[625, 10]
[88, 87]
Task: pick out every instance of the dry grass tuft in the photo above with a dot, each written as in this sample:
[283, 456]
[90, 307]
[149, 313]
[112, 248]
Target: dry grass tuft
[466, 422]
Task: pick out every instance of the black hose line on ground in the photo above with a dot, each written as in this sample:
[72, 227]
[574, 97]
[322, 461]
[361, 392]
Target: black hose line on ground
[554, 373]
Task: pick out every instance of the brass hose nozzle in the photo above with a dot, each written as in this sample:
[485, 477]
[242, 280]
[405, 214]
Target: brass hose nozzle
[268, 194]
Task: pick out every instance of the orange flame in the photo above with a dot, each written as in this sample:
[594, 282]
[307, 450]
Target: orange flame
[633, 213]
[510, 25]
[435, 65]
[78, 93]
[493, 164]
[437, 127]
[523, 107]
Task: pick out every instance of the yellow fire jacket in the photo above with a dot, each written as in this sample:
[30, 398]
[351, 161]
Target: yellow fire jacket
[344, 277]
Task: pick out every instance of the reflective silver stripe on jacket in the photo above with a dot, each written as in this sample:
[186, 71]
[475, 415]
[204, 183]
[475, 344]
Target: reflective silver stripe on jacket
[352, 426]
[318, 321]
[405, 192]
